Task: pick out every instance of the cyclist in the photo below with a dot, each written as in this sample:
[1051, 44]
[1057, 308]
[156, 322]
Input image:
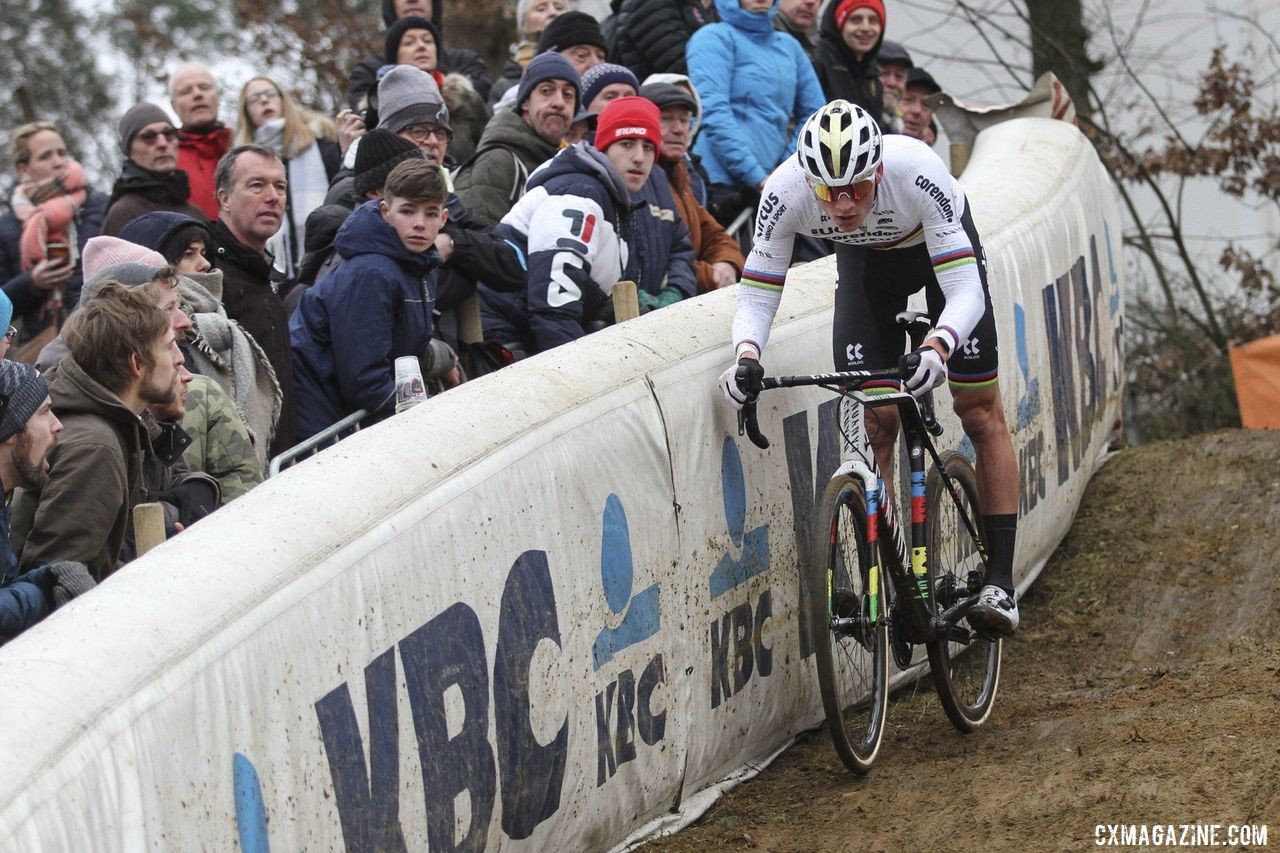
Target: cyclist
[900, 223]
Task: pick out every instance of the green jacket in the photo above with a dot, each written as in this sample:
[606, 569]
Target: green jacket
[95, 476]
[493, 179]
[220, 443]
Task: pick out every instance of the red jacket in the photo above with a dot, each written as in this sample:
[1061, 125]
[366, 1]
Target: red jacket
[198, 155]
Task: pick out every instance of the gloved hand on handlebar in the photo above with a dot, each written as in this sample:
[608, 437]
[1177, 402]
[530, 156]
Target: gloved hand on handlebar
[930, 372]
[741, 382]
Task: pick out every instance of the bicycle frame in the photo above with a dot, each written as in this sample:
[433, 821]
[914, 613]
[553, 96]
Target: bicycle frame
[908, 571]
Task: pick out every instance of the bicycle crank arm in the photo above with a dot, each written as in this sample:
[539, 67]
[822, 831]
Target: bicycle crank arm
[951, 632]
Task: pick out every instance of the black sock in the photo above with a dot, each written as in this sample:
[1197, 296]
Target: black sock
[1001, 532]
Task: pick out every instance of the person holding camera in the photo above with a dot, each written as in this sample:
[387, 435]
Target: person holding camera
[52, 213]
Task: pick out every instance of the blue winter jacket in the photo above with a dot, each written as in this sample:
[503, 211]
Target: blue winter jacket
[757, 86]
[356, 321]
[24, 597]
[572, 224]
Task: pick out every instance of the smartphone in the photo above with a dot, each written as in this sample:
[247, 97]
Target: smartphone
[57, 252]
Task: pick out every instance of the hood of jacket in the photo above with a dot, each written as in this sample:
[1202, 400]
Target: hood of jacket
[756, 23]
[366, 233]
[75, 392]
[581, 158]
[833, 44]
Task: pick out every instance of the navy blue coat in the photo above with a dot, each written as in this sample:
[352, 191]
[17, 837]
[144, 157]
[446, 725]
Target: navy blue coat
[24, 597]
[356, 321]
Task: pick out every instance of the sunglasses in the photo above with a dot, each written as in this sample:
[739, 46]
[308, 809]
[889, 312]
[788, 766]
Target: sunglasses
[149, 136]
[857, 191]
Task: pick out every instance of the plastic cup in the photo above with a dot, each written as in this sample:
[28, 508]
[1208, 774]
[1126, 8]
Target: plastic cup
[410, 389]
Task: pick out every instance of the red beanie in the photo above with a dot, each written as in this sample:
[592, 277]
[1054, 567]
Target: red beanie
[628, 118]
[846, 7]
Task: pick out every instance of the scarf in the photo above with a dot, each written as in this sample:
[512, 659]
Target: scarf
[165, 187]
[308, 185]
[47, 211]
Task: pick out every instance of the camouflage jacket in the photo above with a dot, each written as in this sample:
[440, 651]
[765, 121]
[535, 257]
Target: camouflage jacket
[220, 443]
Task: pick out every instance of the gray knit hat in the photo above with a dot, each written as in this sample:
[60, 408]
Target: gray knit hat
[129, 274]
[138, 117]
[22, 390]
[409, 96]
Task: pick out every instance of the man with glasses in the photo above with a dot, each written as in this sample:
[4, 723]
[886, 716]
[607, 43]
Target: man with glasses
[150, 179]
[900, 223]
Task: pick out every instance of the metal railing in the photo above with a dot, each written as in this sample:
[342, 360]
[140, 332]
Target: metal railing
[320, 441]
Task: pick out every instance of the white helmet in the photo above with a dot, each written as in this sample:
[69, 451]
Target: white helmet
[839, 145]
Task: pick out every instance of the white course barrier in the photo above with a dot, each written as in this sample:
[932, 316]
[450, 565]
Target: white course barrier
[546, 608]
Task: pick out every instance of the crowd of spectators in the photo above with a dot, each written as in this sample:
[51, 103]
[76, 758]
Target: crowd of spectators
[245, 285]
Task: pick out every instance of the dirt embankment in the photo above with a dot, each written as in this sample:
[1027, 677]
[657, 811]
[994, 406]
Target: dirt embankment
[1143, 688]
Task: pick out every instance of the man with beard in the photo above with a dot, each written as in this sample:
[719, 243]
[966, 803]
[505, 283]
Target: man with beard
[252, 190]
[202, 139]
[121, 358]
[150, 179]
[28, 431]
[517, 141]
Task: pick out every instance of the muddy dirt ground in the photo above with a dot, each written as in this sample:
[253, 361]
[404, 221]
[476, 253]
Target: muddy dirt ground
[1143, 688]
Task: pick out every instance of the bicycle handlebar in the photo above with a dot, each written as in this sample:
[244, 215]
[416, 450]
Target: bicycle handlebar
[749, 424]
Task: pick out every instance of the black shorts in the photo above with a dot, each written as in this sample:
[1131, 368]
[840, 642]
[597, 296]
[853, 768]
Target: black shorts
[873, 286]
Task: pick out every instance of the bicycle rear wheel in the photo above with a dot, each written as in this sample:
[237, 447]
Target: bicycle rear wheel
[966, 677]
[849, 625]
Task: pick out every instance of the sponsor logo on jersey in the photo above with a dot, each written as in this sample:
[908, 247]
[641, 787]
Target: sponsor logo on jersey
[939, 197]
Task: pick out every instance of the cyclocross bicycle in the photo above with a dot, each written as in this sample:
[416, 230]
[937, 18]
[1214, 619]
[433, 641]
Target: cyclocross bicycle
[855, 619]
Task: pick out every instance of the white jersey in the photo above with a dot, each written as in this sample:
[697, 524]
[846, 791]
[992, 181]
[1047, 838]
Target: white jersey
[917, 202]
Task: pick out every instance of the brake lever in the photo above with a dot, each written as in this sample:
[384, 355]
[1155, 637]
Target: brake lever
[748, 424]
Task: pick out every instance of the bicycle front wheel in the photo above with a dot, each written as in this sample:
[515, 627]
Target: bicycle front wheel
[848, 623]
[966, 677]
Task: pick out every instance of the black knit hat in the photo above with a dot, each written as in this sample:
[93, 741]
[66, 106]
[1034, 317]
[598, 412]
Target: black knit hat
[22, 390]
[391, 47]
[569, 29]
[157, 230]
[378, 152]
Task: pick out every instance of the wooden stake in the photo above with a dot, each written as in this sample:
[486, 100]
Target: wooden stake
[626, 305]
[148, 526]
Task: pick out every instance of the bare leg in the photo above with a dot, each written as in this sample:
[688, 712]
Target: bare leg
[982, 415]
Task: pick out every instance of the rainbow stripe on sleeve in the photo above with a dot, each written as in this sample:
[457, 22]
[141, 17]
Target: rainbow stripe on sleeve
[771, 282]
[954, 259]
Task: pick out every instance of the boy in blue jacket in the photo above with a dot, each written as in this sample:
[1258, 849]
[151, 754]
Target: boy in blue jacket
[356, 321]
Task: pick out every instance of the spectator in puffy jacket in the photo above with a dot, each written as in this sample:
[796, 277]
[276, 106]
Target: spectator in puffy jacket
[576, 224]
[351, 327]
[845, 59]
[650, 36]
[364, 77]
[756, 85]
[28, 432]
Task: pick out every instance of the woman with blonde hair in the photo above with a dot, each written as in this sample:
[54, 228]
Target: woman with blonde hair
[267, 116]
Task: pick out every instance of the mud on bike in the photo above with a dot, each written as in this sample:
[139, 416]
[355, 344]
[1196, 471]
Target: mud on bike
[856, 619]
